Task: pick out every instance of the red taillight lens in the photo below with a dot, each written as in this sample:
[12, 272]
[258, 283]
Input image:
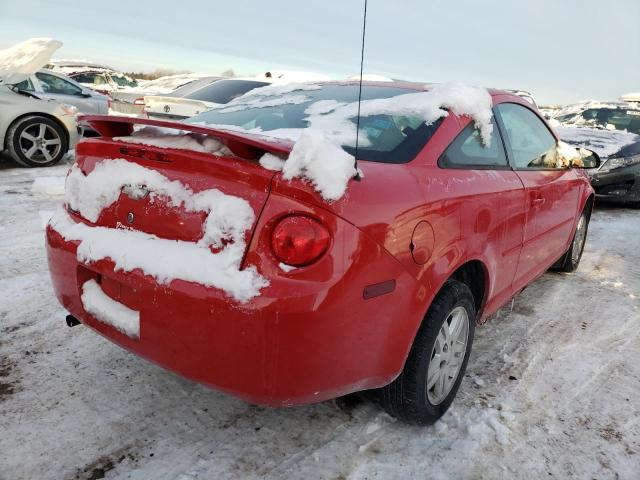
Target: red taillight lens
[299, 240]
[139, 101]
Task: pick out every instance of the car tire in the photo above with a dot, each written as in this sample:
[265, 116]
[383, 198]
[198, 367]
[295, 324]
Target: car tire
[409, 397]
[36, 141]
[571, 259]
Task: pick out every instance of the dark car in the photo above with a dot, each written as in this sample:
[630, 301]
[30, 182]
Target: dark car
[613, 131]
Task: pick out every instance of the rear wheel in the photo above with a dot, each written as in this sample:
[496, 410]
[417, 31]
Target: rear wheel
[36, 141]
[571, 259]
[437, 361]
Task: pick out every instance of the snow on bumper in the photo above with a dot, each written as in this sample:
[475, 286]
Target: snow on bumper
[295, 343]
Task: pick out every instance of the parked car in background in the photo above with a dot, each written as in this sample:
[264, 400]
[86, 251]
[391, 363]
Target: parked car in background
[631, 97]
[198, 97]
[100, 78]
[612, 130]
[35, 131]
[103, 79]
[54, 86]
[287, 298]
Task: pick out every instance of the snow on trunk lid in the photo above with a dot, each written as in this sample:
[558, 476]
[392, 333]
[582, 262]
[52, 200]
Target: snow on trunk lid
[212, 260]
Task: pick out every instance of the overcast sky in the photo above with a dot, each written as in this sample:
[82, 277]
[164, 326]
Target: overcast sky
[561, 50]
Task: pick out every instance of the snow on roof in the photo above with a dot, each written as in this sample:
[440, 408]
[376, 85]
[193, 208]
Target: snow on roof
[228, 219]
[294, 76]
[371, 77]
[317, 155]
[604, 142]
[630, 97]
[26, 58]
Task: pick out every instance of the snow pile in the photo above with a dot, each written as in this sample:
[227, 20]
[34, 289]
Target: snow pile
[604, 142]
[272, 162]
[26, 58]
[318, 159]
[48, 185]
[337, 118]
[108, 311]
[168, 138]
[228, 218]
[482, 425]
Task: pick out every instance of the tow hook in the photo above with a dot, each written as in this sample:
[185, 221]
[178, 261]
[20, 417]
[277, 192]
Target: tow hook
[72, 321]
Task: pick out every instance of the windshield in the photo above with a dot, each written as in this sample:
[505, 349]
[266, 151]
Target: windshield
[223, 91]
[123, 81]
[388, 138]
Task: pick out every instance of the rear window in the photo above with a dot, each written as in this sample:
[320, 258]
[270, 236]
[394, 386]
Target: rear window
[387, 138]
[223, 91]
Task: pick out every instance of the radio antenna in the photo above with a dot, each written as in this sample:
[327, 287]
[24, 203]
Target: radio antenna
[364, 31]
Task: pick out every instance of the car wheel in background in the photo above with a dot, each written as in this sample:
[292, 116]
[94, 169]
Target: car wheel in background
[36, 141]
[571, 259]
[437, 361]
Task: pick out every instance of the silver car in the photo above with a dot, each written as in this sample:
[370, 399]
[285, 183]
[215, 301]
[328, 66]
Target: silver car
[49, 85]
[35, 132]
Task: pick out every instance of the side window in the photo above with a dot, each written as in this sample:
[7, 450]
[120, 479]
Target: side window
[25, 86]
[532, 144]
[54, 84]
[90, 79]
[468, 151]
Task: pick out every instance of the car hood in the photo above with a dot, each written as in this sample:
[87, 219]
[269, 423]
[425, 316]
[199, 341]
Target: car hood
[25, 58]
[606, 143]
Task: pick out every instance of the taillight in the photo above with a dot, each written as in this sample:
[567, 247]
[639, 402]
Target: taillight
[299, 240]
[139, 101]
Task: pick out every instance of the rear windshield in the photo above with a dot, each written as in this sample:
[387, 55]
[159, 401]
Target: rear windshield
[389, 138]
[223, 91]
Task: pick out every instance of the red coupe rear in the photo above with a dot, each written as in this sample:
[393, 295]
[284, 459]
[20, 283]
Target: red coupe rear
[379, 289]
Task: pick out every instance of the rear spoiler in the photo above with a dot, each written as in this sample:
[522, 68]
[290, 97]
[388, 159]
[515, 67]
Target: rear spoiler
[247, 145]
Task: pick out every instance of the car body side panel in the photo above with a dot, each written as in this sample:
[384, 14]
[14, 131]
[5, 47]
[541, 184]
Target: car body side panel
[14, 105]
[552, 203]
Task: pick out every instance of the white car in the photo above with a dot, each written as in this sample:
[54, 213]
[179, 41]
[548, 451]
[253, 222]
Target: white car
[186, 102]
[35, 132]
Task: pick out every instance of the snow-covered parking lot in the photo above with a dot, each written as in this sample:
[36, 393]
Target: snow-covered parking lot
[552, 389]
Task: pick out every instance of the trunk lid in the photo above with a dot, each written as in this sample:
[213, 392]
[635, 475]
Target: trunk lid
[234, 172]
[174, 107]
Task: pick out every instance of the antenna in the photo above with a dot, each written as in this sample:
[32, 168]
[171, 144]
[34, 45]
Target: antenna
[364, 30]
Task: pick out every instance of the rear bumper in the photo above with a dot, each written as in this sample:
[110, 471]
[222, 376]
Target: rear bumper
[293, 344]
[620, 186]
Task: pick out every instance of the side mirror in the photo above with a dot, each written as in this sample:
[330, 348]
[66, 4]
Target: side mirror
[84, 94]
[590, 159]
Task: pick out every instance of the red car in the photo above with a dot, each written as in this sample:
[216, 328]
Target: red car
[379, 289]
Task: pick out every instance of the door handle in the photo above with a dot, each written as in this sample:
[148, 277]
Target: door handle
[537, 201]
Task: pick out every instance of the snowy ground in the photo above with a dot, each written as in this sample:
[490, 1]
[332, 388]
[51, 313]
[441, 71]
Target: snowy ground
[552, 388]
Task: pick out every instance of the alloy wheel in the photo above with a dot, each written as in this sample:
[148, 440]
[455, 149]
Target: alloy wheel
[40, 143]
[579, 239]
[447, 355]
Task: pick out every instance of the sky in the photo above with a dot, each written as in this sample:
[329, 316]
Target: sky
[560, 50]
